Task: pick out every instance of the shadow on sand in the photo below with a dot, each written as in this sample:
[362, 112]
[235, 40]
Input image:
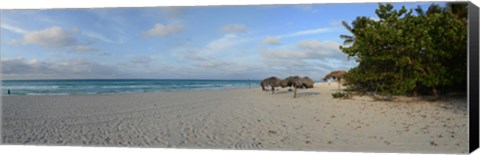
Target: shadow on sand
[298, 93]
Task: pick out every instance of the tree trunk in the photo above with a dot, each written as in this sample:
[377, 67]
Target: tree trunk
[338, 80]
[295, 93]
[435, 92]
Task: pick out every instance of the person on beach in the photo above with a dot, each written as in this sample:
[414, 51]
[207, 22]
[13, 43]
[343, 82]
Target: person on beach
[9, 92]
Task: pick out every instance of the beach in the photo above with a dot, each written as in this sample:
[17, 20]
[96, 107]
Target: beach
[240, 118]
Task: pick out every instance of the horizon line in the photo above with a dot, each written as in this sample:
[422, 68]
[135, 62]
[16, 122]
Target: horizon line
[125, 79]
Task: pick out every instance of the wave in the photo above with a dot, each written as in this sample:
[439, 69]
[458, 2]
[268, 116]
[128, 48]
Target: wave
[31, 87]
[47, 94]
[115, 87]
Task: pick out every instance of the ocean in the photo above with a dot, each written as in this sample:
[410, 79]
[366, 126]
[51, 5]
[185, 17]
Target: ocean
[68, 87]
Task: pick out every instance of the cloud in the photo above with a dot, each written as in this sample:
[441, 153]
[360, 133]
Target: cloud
[13, 28]
[213, 57]
[219, 45]
[306, 32]
[21, 68]
[53, 37]
[309, 57]
[375, 19]
[272, 40]
[305, 49]
[335, 23]
[287, 54]
[214, 47]
[327, 46]
[223, 68]
[233, 28]
[205, 56]
[142, 60]
[99, 36]
[84, 48]
[113, 16]
[160, 30]
[306, 8]
[75, 30]
[214, 64]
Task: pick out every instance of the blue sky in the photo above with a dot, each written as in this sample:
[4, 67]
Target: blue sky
[217, 42]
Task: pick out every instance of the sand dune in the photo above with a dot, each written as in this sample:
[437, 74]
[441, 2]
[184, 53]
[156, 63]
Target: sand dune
[238, 119]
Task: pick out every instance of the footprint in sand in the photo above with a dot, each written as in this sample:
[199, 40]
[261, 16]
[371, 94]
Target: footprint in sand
[248, 146]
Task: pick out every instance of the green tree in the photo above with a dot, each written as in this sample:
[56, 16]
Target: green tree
[404, 54]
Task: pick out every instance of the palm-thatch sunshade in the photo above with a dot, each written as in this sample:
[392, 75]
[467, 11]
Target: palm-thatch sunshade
[291, 81]
[336, 75]
[297, 82]
[271, 82]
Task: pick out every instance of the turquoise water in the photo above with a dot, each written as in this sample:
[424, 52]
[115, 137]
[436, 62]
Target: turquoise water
[67, 87]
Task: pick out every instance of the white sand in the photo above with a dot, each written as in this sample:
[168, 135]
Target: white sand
[238, 119]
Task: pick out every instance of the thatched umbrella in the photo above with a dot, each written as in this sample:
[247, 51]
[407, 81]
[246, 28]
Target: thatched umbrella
[307, 82]
[272, 82]
[336, 75]
[297, 82]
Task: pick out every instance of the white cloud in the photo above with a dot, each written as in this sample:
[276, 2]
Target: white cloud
[217, 56]
[160, 30]
[272, 40]
[306, 32]
[305, 49]
[20, 68]
[375, 19]
[219, 45]
[13, 28]
[233, 28]
[328, 46]
[53, 37]
[98, 36]
[308, 57]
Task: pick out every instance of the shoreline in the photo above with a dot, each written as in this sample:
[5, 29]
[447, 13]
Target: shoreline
[122, 86]
[239, 118]
[255, 86]
[127, 93]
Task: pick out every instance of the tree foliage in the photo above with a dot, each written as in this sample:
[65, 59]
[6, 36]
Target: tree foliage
[407, 53]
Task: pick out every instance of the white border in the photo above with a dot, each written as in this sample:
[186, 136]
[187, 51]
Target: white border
[47, 4]
[70, 150]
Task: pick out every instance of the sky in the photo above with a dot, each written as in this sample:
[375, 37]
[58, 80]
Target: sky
[191, 42]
